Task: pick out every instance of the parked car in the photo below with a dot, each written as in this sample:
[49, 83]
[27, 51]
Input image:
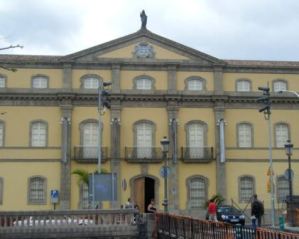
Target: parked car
[230, 214]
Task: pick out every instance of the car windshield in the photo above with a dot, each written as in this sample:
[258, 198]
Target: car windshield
[228, 210]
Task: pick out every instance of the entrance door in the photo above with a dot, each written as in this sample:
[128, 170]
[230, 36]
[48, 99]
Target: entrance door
[144, 191]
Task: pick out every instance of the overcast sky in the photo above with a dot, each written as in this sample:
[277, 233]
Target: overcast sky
[226, 29]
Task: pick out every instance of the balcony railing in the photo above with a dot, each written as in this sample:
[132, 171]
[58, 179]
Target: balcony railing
[197, 154]
[143, 154]
[89, 154]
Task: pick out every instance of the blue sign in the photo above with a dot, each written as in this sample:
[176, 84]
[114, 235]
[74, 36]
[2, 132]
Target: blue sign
[54, 196]
[164, 171]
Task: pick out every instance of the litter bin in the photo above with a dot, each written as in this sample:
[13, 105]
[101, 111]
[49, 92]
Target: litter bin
[281, 221]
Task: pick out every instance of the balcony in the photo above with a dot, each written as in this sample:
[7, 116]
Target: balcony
[89, 154]
[143, 155]
[197, 154]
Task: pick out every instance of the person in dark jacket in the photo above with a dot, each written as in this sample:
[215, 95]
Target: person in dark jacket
[257, 210]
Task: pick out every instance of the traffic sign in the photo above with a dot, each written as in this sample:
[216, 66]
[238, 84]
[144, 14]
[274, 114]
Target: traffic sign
[164, 171]
[54, 196]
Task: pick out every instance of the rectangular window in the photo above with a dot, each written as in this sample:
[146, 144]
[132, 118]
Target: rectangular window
[197, 193]
[40, 82]
[144, 140]
[1, 191]
[143, 84]
[244, 136]
[282, 135]
[2, 82]
[243, 86]
[91, 83]
[195, 84]
[282, 189]
[279, 86]
[246, 189]
[1, 134]
[37, 191]
[84, 196]
[90, 140]
[38, 135]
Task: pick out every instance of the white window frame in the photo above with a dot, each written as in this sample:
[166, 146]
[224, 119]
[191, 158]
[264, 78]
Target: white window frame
[37, 190]
[282, 188]
[40, 82]
[2, 81]
[2, 128]
[196, 140]
[244, 137]
[197, 190]
[144, 139]
[144, 84]
[39, 134]
[84, 196]
[246, 188]
[90, 138]
[243, 86]
[91, 83]
[195, 84]
[281, 134]
[1, 190]
[280, 85]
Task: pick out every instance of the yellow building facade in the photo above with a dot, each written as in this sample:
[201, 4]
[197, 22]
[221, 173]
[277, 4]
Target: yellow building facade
[49, 126]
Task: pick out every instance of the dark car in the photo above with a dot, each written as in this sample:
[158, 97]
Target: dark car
[230, 214]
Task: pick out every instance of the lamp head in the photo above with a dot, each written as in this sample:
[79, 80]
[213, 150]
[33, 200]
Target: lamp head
[165, 144]
[288, 148]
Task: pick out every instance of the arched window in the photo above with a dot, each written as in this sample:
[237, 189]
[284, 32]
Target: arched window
[1, 190]
[280, 85]
[196, 139]
[40, 82]
[281, 134]
[37, 190]
[144, 137]
[89, 138]
[1, 134]
[244, 131]
[282, 188]
[246, 188]
[195, 83]
[197, 191]
[144, 83]
[243, 86]
[39, 134]
[2, 81]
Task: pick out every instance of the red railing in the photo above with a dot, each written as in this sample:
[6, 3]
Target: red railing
[174, 226]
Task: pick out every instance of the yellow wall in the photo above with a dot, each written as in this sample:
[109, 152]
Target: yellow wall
[16, 177]
[22, 77]
[17, 124]
[257, 80]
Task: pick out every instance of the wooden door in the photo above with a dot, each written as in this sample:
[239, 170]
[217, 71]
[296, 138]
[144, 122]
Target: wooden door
[139, 193]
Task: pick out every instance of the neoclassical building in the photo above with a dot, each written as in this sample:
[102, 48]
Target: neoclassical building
[206, 107]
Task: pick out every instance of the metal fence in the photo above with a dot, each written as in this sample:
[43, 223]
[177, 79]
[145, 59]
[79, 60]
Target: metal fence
[182, 227]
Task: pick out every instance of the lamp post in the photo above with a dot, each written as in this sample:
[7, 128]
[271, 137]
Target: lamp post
[165, 148]
[289, 150]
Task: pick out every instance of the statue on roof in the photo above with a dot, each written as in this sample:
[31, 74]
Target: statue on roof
[143, 19]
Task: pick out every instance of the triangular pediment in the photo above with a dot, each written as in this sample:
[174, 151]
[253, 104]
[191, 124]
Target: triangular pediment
[143, 46]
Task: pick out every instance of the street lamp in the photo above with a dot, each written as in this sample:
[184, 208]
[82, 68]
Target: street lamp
[165, 148]
[289, 150]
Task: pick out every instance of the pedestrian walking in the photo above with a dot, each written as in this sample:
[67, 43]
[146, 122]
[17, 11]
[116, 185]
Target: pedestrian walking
[257, 211]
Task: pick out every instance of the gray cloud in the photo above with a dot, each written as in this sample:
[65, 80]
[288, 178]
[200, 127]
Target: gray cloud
[227, 29]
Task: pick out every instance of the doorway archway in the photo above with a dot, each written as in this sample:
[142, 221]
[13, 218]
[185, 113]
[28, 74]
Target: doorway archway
[144, 188]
